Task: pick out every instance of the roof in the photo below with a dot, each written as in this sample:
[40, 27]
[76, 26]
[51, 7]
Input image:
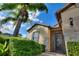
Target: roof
[58, 13]
[40, 25]
[56, 25]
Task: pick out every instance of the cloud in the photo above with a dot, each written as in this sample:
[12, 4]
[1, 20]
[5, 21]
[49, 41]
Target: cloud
[37, 20]
[1, 17]
[4, 14]
[8, 27]
[37, 13]
[22, 25]
[33, 16]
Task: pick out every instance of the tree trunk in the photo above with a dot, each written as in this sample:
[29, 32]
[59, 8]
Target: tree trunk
[17, 28]
[22, 13]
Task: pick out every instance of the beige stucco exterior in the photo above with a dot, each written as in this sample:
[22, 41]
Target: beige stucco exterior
[43, 37]
[71, 33]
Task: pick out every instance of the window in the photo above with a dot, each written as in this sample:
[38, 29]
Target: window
[35, 36]
[71, 22]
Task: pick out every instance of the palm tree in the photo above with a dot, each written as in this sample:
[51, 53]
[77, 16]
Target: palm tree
[20, 11]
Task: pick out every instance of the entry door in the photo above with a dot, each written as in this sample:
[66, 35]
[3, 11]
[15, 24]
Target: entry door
[58, 41]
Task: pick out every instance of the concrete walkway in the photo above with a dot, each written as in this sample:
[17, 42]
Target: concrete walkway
[51, 54]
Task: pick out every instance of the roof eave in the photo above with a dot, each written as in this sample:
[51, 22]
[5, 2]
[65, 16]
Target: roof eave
[58, 13]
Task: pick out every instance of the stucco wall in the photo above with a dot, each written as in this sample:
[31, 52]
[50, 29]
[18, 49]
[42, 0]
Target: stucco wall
[43, 37]
[71, 33]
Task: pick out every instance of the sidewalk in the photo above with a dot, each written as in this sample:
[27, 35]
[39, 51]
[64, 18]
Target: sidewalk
[51, 54]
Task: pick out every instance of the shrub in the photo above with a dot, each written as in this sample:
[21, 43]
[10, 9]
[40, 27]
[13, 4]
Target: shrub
[4, 49]
[25, 48]
[73, 48]
[20, 47]
[4, 46]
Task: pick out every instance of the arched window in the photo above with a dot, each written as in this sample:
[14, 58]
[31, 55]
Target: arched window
[71, 22]
[35, 36]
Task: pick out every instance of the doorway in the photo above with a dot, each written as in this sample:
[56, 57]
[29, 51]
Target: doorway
[58, 42]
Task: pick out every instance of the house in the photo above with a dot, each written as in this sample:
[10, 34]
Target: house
[67, 29]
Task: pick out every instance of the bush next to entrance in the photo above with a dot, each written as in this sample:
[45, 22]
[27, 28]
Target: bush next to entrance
[73, 48]
[19, 47]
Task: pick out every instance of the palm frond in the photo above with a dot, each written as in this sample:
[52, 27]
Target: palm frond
[8, 6]
[37, 6]
[27, 21]
[7, 19]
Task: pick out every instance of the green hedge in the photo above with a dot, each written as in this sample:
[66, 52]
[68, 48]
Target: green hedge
[73, 48]
[25, 47]
[20, 47]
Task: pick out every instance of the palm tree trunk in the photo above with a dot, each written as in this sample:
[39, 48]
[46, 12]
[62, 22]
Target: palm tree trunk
[17, 28]
[22, 13]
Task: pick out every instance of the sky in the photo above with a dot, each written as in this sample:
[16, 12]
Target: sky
[37, 17]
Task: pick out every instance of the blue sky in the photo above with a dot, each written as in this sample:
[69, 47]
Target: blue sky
[45, 18]
[50, 18]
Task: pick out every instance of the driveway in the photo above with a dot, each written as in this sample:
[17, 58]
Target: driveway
[51, 54]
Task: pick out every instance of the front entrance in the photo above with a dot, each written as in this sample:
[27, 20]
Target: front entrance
[58, 42]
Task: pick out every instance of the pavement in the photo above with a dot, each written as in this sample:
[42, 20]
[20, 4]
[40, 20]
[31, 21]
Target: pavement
[51, 54]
